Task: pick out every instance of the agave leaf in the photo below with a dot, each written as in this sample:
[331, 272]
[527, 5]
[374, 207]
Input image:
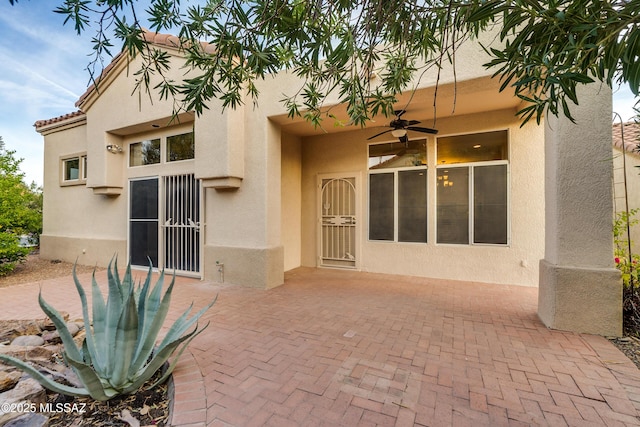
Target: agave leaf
[43, 379]
[70, 346]
[158, 359]
[113, 312]
[89, 346]
[126, 340]
[98, 332]
[155, 315]
[93, 384]
[176, 357]
[179, 327]
[142, 302]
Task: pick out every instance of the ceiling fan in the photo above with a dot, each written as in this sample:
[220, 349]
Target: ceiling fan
[399, 127]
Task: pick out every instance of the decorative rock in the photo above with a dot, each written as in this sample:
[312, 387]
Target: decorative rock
[29, 420]
[48, 324]
[41, 353]
[28, 340]
[73, 328]
[8, 380]
[26, 391]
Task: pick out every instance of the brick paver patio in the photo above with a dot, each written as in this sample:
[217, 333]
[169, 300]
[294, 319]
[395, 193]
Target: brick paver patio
[342, 348]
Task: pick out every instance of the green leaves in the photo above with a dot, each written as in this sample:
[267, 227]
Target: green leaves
[118, 354]
[546, 49]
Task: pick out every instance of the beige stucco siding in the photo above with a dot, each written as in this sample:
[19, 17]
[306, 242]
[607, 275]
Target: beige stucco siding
[291, 200]
[76, 223]
[516, 263]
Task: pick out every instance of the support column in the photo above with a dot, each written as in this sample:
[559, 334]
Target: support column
[580, 290]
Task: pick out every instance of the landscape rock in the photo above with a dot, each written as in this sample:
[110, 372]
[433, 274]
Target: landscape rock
[29, 420]
[48, 324]
[26, 327]
[27, 391]
[8, 380]
[28, 340]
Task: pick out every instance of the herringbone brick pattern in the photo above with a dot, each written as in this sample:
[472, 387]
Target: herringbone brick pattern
[341, 348]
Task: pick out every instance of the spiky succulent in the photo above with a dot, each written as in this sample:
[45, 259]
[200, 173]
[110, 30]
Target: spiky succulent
[119, 353]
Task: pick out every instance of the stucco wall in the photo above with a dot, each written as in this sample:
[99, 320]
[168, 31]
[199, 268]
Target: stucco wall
[514, 264]
[75, 220]
[291, 200]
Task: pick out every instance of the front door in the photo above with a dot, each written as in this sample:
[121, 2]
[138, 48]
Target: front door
[338, 235]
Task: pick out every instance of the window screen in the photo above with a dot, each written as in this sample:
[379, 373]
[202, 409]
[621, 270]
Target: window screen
[381, 206]
[453, 205]
[412, 205]
[490, 204]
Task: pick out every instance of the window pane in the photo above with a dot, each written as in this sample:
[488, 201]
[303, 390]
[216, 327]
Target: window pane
[398, 154]
[381, 206]
[84, 167]
[490, 204]
[143, 242]
[144, 199]
[477, 147]
[180, 147]
[453, 205]
[144, 153]
[71, 169]
[412, 206]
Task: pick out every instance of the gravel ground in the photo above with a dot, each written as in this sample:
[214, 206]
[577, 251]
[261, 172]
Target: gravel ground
[35, 269]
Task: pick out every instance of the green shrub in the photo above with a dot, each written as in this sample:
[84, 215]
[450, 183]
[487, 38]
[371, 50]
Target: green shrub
[119, 353]
[11, 253]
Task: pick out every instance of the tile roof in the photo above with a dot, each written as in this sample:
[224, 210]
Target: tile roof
[631, 132]
[41, 123]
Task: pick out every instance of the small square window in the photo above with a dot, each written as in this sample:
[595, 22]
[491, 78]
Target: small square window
[180, 147]
[72, 169]
[144, 153]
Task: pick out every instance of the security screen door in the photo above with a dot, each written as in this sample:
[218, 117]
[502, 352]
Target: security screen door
[164, 223]
[338, 222]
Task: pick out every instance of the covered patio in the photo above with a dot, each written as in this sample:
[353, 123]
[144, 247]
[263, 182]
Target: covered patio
[336, 347]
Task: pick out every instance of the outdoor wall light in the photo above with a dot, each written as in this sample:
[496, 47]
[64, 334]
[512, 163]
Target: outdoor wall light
[114, 149]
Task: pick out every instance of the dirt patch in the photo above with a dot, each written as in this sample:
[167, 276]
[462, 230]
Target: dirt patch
[36, 269]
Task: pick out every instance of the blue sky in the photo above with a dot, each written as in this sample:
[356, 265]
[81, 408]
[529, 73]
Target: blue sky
[43, 73]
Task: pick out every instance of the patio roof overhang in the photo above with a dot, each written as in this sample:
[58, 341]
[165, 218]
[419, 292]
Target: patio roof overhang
[462, 98]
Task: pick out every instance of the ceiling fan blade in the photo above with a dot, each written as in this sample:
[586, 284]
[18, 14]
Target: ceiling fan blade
[412, 122]
[423, 130]
[378, 134]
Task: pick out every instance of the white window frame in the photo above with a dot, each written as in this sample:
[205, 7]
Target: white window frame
[471, 166]
[164, 155]
[395, 172]
[82, 169]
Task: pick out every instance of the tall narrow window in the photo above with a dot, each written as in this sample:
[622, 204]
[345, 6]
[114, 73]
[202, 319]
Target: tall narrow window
[490, 204]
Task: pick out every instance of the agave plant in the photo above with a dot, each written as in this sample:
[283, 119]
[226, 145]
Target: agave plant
[119, 353]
